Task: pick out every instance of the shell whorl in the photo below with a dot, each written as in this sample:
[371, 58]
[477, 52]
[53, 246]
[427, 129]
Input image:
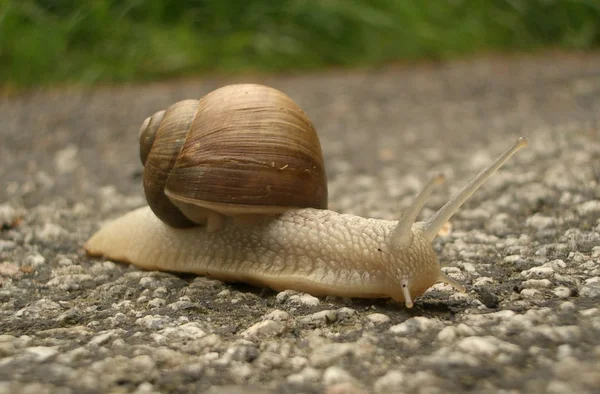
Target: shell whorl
[168, 138]
[148, 133]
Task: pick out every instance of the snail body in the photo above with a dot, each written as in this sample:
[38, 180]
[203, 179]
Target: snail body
[301, 245]
[288, 252]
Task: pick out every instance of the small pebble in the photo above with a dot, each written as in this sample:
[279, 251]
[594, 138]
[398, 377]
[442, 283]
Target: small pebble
[450, 333]
[43, 308]
[307, 375]
[153, 322]
[277, 315]
[447, 334]
[66, 160]
[487, 347]
[8, 216]
[512, 258]
[146, 388]
[558, 334]
[298, 362]
[589, 312]
[378, 318]
[483, 281]
[148, 282]
[447, 358]
[182, 304]
[562, 292]
[263, 329]
[41, 353]
[50, 232]
[392, 382]
[326, 316]
[538, 272]
[591, 288]
[9, 269]
[555, 264]
[186, 331]
[564, 350]
[344, 388]
[330, 353]
[159, 292]
[305, 299]
[101, 339]
[269, 361]
[345, 312]
[414, 325]
[589, 208]
[6, 245]
[335, 374]
[540, 222]
[156, 303]
[492, 318]
[74, 355]
[224, 293]
[487, 297]
[529, 293]
[69, 282]
[537, 283]
[298, 298]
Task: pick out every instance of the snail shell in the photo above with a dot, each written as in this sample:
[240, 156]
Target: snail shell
[240, 150]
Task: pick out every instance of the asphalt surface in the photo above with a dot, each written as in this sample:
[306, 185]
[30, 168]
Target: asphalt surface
[527, 245]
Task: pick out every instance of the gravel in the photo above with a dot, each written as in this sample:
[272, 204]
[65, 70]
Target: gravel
[527, 245]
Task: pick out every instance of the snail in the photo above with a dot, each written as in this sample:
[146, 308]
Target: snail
[237, 191]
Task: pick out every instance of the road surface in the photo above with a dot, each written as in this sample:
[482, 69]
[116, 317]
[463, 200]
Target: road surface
[527, 245]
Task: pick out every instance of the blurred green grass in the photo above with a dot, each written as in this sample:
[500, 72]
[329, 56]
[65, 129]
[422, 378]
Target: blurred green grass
[45, 42]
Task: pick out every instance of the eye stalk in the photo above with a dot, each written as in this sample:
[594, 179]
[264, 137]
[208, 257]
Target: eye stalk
[437, 221]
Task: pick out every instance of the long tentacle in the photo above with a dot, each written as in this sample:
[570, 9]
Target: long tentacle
[402, 234]
[435, 223]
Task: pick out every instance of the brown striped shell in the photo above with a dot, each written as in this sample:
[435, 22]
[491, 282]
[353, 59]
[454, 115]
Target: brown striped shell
[240, 150]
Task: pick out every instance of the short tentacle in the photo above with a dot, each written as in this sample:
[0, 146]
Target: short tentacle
[443, 278]
[402, 234]
[406, 293]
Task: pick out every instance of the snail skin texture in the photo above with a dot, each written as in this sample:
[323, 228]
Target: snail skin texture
[313, 250]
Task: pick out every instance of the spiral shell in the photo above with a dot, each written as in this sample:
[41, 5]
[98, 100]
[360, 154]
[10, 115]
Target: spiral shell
[240, 150]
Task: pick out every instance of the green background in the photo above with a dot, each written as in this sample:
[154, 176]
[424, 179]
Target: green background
[45, 42]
